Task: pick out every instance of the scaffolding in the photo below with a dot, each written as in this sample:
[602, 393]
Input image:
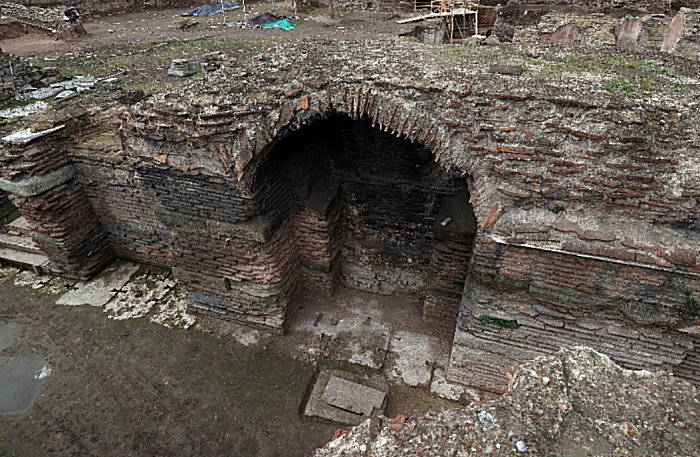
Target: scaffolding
[461, 17]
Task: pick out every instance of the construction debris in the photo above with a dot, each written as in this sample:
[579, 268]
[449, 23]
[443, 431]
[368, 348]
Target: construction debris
[213, 10]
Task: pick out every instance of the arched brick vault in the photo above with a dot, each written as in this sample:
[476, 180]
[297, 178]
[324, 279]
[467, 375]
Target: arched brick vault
[587, 204]
[545, 273]
[235, 161]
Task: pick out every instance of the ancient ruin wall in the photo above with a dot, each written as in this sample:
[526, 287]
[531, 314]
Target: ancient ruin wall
[575, 401]
[586, 202]
[16, 74]
[556, 184]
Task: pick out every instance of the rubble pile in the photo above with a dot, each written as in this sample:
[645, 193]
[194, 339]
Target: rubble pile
[649, 26]
[17, 75]
[577, 402]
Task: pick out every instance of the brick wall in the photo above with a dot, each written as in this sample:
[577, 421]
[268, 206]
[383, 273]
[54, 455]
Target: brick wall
[42, 183]
[585, 203]
[586, 228]
[17, 73]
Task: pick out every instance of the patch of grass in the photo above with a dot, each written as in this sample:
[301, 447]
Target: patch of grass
[6, 209]
[503, 323]
[690, 311]
[145, 68]
[12, 103]
[558, 209]
[625, 75]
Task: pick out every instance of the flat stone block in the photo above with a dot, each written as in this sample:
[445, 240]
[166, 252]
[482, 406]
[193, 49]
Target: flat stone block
[353, 397]
[102, 289]
[24, 259]
[344, 397]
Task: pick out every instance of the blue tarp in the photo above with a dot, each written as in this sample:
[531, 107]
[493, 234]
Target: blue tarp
[212, 10]
[284, 24]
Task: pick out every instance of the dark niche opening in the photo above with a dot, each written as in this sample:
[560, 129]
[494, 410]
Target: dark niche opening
[372, 214]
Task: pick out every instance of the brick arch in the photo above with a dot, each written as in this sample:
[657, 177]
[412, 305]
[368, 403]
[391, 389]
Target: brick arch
[442, 293]
[386, 113]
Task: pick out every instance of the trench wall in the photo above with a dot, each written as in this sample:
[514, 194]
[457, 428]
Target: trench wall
[102, 6]
[17, 73]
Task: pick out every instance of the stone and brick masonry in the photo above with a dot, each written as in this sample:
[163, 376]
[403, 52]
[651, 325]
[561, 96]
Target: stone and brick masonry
[573, 208]
[17, 74]
[103, 6]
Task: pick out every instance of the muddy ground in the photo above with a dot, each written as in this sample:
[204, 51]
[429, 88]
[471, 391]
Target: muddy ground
[135, 388]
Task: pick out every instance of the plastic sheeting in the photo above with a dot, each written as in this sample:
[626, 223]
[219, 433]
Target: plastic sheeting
[213, 9]
[284, 24]
[271, 21]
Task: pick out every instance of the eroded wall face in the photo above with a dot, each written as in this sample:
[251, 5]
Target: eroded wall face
[522, 303]
[41, 181]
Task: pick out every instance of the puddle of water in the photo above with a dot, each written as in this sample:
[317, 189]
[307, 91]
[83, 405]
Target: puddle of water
[8, 334]
[21, 379]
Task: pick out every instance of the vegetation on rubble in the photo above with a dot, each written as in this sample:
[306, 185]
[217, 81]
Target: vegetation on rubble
[145, 68]
[558, 209]
[627, 75]
[621, 74]
[690, 311]
[6, 209]
[12, 103]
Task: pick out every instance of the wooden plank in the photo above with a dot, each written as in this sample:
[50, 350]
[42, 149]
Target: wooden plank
[456, 12]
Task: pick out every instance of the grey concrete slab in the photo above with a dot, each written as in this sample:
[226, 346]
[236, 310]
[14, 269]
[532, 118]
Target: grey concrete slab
[353, 397]
[101, 289]
[414, 356]
[316, 406]
[19, 243]
[22, 258]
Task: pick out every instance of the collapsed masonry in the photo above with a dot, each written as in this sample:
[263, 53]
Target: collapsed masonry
[575, 26]
[574, 403]
[526, 212]
[18, 75]
[103, 6]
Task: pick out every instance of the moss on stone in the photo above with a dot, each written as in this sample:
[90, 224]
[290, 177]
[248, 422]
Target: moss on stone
[6, 209]
[503, 323]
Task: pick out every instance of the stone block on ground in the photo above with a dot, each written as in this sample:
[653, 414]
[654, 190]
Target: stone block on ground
[345, 397]
[353, 397]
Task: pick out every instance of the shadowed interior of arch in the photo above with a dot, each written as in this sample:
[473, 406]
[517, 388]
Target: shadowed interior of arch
[377, 222]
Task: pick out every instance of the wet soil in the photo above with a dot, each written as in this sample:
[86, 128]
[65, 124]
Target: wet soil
[135, 388]
[132, 387]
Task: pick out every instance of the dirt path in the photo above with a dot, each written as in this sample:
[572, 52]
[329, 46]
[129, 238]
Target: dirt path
[156, 26]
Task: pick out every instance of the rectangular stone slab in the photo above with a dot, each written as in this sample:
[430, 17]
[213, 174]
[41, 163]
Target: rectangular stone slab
[352, 396]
